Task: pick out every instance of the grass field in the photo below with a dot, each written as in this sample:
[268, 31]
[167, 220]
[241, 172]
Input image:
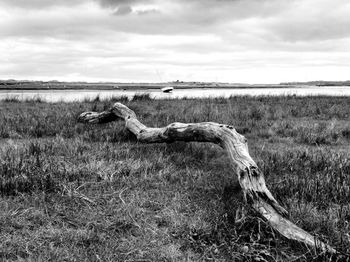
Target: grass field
[75, 192]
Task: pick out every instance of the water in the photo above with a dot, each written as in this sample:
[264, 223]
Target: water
[79, 95]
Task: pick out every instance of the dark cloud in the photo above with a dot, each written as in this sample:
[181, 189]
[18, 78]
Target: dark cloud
[118, 3]
[252, 21]
[123, 10]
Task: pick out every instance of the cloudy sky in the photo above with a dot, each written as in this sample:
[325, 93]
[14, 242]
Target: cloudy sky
[250, 41]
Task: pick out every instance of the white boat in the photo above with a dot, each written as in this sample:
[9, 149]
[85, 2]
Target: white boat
[167, 89]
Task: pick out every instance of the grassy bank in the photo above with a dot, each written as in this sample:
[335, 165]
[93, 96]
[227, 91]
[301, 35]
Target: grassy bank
[77, 192]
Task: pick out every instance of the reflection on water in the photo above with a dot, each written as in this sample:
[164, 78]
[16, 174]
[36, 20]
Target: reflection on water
[79, 95]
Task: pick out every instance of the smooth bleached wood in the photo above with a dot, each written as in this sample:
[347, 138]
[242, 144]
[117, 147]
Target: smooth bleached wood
[250, 178]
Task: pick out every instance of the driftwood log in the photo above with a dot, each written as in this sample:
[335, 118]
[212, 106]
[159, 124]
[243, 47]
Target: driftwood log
[251, 179]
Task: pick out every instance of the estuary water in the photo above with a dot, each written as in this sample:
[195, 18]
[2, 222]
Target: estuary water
[79, 95]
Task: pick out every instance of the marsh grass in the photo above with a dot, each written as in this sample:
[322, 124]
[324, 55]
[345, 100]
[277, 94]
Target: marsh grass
[142, 97]
[74, 192]
[11, 99]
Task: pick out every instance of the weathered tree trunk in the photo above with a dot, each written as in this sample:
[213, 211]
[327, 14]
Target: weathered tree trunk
[250, 178]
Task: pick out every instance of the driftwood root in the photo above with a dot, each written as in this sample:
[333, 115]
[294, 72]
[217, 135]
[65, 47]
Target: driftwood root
[250, 177]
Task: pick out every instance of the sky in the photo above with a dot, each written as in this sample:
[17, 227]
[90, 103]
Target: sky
[236, 41]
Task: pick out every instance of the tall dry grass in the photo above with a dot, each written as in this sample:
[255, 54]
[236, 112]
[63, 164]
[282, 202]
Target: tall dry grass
[81, 192]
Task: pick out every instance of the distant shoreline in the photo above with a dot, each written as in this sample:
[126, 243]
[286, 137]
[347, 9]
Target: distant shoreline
[142, 87]
[96, 88]
[7, 85]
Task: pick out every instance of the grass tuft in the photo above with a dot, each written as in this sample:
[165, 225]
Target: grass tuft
[142, 97]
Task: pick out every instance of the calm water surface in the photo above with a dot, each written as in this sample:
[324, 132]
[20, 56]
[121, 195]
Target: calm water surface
[79, 95]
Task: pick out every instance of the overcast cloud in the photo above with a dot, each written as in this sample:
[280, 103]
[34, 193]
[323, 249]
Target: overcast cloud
[252, 41]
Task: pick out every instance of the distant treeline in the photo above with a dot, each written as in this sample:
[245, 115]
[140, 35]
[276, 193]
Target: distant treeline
[52, 85]
[42, 85]
[320, 83]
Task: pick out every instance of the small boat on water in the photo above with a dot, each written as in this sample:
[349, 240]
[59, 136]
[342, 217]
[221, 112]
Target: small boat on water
[167, 89]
